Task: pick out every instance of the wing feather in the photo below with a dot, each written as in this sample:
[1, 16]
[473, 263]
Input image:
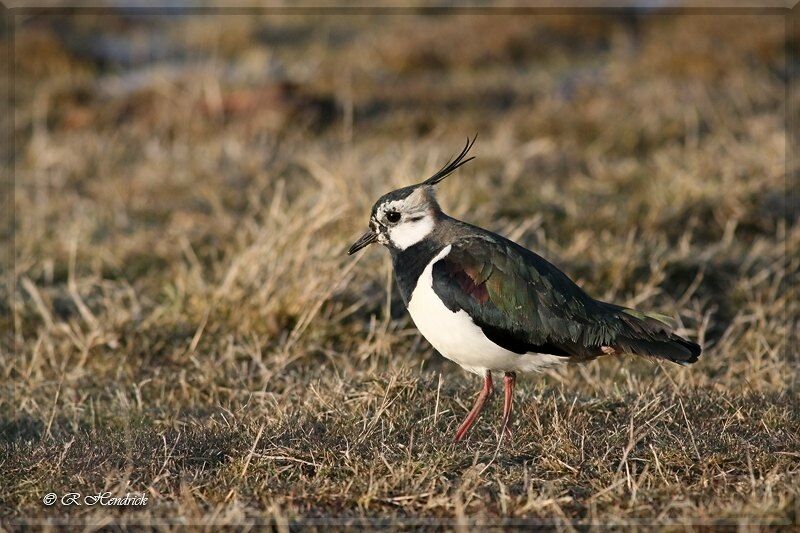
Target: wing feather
[526, 304]
[518, 299]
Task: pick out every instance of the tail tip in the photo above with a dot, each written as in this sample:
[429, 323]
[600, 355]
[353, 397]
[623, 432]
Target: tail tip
[694, 350]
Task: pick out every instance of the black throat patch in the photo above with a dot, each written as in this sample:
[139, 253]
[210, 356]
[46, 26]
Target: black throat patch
[409, 264]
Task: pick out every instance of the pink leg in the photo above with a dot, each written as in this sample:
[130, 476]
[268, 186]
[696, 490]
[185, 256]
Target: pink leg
[476, 409]
[509, 380]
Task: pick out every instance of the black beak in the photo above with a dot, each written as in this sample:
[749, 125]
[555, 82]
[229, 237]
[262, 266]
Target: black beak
[365, 240]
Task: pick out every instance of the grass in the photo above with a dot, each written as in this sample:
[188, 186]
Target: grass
[182, 320]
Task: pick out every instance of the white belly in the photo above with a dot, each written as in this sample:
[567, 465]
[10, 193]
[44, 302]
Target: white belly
[457, 337]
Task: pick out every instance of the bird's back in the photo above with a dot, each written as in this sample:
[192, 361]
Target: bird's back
[526, 304]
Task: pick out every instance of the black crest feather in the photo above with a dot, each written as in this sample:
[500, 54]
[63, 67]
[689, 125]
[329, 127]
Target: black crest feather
[452, 164]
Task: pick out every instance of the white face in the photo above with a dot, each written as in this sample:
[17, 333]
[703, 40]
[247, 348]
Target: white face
[403, 223]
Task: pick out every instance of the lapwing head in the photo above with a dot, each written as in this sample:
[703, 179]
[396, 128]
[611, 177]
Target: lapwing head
[405, 216]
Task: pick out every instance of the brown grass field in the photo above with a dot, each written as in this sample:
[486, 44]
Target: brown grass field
[182, 320]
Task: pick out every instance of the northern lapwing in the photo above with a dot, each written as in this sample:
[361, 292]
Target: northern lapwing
[491, 305]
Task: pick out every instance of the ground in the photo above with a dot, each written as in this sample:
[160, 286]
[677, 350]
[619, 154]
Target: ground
[182, 319]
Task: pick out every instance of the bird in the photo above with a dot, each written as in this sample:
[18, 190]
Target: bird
[491, 305]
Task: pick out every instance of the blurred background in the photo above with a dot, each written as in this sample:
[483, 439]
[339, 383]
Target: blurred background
[183, 312]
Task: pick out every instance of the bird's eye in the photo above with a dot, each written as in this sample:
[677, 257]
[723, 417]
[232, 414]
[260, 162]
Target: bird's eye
[393, 216]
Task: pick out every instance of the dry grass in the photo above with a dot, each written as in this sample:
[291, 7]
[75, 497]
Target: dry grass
[184, 321]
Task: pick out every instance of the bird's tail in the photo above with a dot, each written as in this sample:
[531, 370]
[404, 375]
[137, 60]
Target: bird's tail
[651, 334]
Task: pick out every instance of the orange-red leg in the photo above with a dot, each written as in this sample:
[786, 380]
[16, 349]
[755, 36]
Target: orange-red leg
[509, 380]
[485, 393]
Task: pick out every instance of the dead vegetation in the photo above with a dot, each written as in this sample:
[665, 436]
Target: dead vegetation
[183, 320]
